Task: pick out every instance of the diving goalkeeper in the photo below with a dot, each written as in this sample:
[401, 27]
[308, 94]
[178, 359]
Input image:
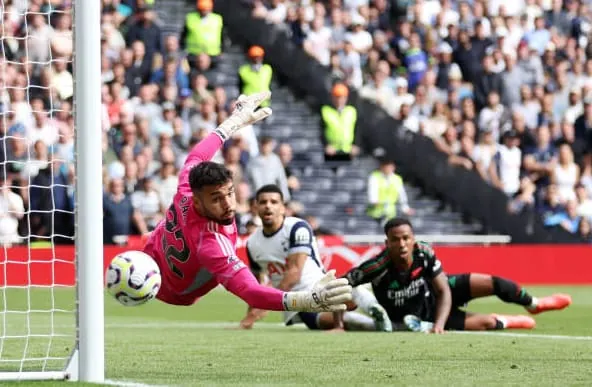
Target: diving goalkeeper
[195, 246]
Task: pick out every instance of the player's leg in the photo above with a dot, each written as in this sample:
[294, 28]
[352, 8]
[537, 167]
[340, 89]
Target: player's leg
[368, 303]
[352, 321]
[483, 285]
[460, 320]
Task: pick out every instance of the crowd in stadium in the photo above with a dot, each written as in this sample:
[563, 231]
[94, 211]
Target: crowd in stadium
[503, 87]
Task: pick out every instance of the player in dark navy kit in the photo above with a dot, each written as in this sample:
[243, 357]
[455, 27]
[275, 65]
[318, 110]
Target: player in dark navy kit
[407, 276]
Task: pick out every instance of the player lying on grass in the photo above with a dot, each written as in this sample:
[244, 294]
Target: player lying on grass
[194, 246]
[408, 279]
[285, 250]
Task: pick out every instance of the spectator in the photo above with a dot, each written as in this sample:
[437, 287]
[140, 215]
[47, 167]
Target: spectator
[351, 64]
[285, 154]
[147, 203]
[569, 219]
[416, 62]
[171, 74]
[583, 128]
[202, 32]
[494, 115]
[318, 41]
[379, 92]
[539, 161]
[504, 170]
[276, 13]
[584, 201]
[38, 34]
[487, 81]
[146, 30]
[119, 215]
[339, 126]
[566, 174]
[267, 168]
[12, 209]
[137, 67]
[255, 76]
[484, 152]
[385, 192]
[232, 157]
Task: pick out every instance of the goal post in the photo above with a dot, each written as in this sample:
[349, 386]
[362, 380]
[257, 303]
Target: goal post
[51, 296]
[89, 189]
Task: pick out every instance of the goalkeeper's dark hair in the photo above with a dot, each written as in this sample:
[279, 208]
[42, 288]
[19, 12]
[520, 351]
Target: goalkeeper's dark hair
[208, 173]
[396, 222]
[269, 188]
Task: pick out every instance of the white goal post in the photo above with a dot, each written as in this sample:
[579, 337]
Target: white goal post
[50, 328]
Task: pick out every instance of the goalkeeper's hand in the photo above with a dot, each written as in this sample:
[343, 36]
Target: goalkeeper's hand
[244, 114]
[327, 295]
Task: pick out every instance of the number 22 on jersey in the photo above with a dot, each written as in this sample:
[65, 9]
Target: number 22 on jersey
[172, 254]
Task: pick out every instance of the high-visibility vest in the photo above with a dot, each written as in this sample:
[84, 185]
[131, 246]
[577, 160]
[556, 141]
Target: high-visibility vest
[255, 81]
[388, 193]
[203, 36]
[340, 127]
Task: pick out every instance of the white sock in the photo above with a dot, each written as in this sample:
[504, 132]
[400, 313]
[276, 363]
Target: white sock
[363, 298]
[533, 303]
[354, 321]
[503, 320]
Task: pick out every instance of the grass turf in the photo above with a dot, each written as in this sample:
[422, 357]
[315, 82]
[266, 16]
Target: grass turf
[161, 344]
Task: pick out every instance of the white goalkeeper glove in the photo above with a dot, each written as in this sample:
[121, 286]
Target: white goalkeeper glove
[327, 295]
[244, 114]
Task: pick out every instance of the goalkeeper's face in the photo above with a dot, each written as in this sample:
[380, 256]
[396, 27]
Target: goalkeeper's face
[216, 202]
[271, 209]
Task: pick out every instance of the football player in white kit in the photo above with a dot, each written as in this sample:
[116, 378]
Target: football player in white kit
[285, 251]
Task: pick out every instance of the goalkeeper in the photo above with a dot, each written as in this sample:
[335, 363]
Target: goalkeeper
[195, 245]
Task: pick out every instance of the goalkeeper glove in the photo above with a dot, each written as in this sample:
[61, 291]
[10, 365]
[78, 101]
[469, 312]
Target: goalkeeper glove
[327, 295]
[244, 114]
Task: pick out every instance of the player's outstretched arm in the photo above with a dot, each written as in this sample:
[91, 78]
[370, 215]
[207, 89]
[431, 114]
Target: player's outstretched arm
[328, 295]
[245, 113]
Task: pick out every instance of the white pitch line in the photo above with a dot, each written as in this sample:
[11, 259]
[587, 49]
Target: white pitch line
[527, 335]
[187, 325]
[226, 324]
[122, 383]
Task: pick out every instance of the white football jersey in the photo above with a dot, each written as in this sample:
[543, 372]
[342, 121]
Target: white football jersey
[268, 253]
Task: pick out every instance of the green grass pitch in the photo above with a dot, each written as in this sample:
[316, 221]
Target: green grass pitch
[157, 344]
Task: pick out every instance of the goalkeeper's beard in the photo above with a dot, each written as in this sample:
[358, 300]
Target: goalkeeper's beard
[225, 221]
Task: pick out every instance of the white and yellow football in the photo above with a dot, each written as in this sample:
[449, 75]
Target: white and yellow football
[133, 278]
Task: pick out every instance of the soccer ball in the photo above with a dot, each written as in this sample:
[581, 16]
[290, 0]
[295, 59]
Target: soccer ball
[133, 278]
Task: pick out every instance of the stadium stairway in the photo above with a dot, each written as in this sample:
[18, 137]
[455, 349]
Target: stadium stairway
[336, 193]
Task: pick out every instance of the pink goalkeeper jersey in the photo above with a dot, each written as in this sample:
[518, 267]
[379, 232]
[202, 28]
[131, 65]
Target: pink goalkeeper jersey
[194, 253]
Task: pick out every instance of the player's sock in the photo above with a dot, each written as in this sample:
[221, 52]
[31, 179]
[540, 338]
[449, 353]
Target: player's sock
[500, 322]
[355, 321]
[510, 291]
[515, 321]
[363, 298]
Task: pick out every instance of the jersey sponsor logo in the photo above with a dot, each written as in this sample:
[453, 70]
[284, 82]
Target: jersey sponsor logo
[400, 296]
[229, 229]
[302, 236]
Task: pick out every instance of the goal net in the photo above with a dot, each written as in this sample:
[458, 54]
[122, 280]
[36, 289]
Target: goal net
[39, 323]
